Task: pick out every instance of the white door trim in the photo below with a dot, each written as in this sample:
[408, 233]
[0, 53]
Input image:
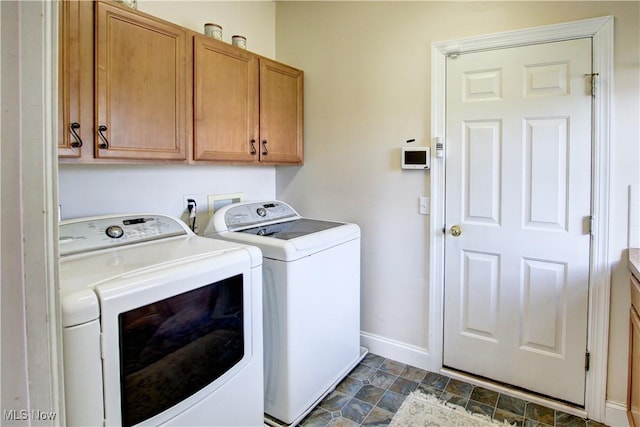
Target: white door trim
[601, 31]
[31, 107]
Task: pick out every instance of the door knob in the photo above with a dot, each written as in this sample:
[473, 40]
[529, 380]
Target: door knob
[455, 230]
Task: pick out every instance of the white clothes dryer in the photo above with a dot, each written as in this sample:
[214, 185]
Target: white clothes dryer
[311, 301]
[160, 326]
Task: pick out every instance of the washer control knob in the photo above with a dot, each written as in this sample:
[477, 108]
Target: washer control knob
[114, 231]
[261, 212]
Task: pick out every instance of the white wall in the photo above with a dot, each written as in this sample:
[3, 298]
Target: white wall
[100, 189]
[367, 90]
[104, 189]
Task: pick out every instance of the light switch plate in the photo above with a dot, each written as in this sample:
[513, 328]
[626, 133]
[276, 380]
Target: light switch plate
[423, 208]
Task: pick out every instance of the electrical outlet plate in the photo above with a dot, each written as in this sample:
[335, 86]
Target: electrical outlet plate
[216, 201]
[186, 197]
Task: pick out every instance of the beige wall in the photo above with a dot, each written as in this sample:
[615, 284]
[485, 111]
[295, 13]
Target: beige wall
[253, 19]
[367, 90]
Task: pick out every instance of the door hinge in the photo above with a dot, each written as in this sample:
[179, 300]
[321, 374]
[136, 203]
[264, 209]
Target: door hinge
[587, 225]
[453, 51]
[439, 142]
[587, 360]
[593, 77]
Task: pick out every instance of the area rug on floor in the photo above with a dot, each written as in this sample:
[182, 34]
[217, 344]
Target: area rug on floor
[421, 410]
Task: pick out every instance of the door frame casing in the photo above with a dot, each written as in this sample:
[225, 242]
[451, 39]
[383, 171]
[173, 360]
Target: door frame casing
[600, 30]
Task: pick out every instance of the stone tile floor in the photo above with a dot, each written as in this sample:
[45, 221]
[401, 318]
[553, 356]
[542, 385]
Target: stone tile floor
[372, 393]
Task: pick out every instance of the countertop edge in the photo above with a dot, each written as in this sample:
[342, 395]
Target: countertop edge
[634, 262]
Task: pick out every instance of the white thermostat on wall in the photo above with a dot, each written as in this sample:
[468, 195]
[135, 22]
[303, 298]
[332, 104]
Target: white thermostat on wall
[416, 157]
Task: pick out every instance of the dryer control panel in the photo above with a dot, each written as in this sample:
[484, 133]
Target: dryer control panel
[89, 234]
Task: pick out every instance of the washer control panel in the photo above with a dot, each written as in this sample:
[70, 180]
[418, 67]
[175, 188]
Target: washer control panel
[243, 215]
[89, 234]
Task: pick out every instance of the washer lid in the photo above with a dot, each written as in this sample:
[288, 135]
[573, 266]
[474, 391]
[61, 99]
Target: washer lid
[296, 247]
[292, 229]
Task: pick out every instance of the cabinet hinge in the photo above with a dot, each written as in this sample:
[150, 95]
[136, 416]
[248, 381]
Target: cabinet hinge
[587, 360]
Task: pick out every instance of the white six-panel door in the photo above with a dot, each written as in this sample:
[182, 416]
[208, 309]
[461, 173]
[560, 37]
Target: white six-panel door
[518, 171]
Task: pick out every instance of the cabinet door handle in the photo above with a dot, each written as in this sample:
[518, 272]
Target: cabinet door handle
[105, 143]
[264, 147]
[253, 147]
[77, 143]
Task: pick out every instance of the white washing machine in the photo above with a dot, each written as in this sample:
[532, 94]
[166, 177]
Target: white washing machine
[160, 326]
[311, 301]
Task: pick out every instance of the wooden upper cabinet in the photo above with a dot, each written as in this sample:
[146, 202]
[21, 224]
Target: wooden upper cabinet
[75, 79]
[247, 109]
[134, 87]
[225, 102]
[633, 383]
[281, 113]
[142, 86]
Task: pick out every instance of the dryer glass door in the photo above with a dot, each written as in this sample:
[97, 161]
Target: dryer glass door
[172, 348]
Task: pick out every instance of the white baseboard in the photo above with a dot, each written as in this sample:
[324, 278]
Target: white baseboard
[615, 414]
[396, 350]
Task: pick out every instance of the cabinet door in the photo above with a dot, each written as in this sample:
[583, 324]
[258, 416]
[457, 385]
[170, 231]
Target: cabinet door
[281, 114]
[141, 86]
[633, 395]
[75, 79]
[225, 102]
